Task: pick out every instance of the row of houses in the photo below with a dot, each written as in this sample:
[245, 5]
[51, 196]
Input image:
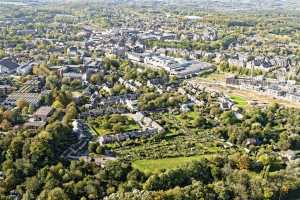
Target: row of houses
[280, 89]
[264, 63]
[132, 85]
[243, 60]
[149, 128]
[147, 122]
[80, 72]
[194, 88]
[120, 137]
[96, 100]
[159, 84]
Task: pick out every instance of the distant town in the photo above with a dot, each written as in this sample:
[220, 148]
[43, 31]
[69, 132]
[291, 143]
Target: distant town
[126, 99]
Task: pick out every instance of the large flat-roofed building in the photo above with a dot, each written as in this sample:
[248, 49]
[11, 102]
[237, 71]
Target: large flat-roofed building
[160, 61]
[179, 67]
[34, 125]
[193, 67]
[5, 90]
[33, 99]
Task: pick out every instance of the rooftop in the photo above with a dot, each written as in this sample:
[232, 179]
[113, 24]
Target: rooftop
[43, 111]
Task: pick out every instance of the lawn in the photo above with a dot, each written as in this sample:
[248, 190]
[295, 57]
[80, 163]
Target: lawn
[155, 166]
[192, 115]
[240, 101]
[112, 125]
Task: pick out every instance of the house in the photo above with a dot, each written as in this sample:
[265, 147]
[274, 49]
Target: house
[210, 34]
[5, 90]
[293, 97]
[97, 64]
[74, 75]
[80, 129]
[251, 141]
[156, 81]
[72, 51]
[71, 71]
[189, 36]
[156, 127]
[236, 62]
[167, 36]
[288, 155]
[225, 103]
[25, 69]
[121, 137]
[34, 85]
[106, 139]
[238, 115]
[138, 57]
[26, 32]
[8, 66]
[42, 113]
[275, 88]
[148, 37]
[13, 194]
[34, 125]
[132, 105]
[262, 63]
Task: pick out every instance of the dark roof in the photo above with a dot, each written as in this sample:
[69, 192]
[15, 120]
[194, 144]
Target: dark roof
[7, 62]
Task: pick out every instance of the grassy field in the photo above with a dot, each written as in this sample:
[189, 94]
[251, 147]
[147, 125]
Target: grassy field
[190, 116]
[155, 166]
[125, 128]
[239, 101]
[102, 126]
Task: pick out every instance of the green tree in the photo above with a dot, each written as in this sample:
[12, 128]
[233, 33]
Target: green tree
[57, 194]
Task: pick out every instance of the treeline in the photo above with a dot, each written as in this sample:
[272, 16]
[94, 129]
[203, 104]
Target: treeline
[214, 179]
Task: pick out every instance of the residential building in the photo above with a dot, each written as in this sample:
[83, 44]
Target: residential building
[8, 66]
[42, 113]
